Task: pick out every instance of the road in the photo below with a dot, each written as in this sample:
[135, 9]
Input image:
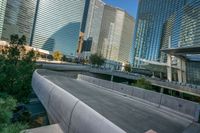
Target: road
[130, 115]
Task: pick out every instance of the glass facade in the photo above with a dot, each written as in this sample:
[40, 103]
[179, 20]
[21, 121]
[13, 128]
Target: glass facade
[186, 28]
[18, 18]
[116, 34]
[58, 25]
[152, 15]
[193, 72]
[183, 27]
[2, 14]
[94, 21]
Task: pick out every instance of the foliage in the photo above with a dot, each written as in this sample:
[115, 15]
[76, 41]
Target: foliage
[142, 83]
[14, 128]
[127, 68]
[14, 39]
[22, 40]
[96, 59]
[16, 68]
[6, 106]
[57, 55]
[64, 58]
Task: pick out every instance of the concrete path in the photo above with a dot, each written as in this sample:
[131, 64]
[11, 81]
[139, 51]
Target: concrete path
[130, 115]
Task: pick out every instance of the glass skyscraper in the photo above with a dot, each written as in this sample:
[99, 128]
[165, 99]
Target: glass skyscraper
[183, 27]
[93, 25]
[165, 29]
[2, 14]
[58, 24]
[152, 15]
[16, 17]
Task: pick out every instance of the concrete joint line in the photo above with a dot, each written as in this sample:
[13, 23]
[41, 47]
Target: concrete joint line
[197, 114]
[132, 92]
[160, 102]
[50, 94]
[71, 115]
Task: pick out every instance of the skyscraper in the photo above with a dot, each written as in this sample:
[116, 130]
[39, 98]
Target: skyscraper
[167, 34]
[152, 15]
[58, 24]
[16, 17]
[182, 31]
[93, 26]
[2, 14]
[116, 34]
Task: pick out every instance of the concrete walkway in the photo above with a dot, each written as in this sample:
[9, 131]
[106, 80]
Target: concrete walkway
[130, 115]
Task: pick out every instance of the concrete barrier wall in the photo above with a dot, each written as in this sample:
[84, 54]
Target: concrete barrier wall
[65, 67]
[188, 108]
[181, 105]
[70, 113]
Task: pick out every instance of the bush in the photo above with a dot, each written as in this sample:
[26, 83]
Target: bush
[142, 83]
[6, 106]
[96, 59]
[16, 69]
[127, 68]
[57, 55]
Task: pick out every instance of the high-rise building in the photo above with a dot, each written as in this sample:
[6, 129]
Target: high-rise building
[181, 40]
[167, 34]
[58, 25]
[93, 26]
[116, 34]
[152, 15]
[16, 17]
[2, 14]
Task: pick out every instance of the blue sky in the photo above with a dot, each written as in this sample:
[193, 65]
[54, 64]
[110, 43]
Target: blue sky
[129, 5]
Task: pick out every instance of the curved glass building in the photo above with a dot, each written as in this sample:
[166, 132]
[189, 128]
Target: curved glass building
[152, 14]
[183, 29]
[168, 34]
[16, 17]
[58, 24]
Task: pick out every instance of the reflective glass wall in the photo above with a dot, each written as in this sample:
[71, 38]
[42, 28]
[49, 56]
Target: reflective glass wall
[58, 25]
[182, 28]
[152, 14]
[193, 72]
[19, 18]
[186, 28]
[2, 14]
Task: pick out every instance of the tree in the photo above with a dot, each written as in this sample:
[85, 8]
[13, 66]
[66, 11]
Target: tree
[16, 71]
[64, 58]
[57, 55]
[6, 106]
[14, 39]
[142, 83]
[127, 68]
[22, 40]
[96, 59]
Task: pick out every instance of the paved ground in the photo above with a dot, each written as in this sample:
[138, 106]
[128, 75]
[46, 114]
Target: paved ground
[132, 116]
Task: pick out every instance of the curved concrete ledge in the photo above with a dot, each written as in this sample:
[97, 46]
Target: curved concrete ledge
[70, 113]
